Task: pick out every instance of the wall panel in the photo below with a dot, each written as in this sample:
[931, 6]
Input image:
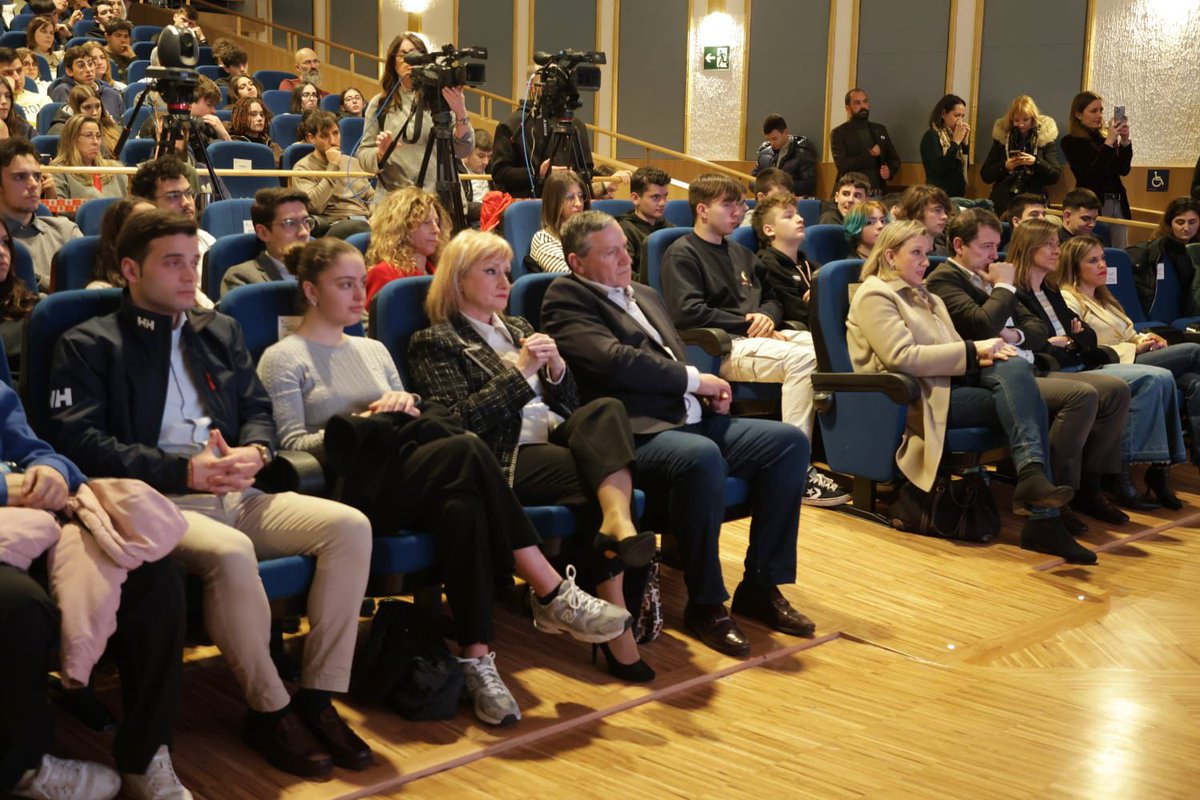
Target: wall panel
[489, 23]
[566, 24]
[652, 79]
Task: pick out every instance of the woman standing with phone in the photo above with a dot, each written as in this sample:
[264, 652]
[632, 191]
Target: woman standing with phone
[1024, 153]
[1100, 156]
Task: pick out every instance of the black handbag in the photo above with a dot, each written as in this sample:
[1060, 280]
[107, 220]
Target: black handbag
[643, 598]
[956, 507]
[406, 665]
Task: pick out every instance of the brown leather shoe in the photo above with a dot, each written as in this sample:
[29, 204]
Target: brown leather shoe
[287, 744]
[770, 607]
[347, 749]
[711, 623]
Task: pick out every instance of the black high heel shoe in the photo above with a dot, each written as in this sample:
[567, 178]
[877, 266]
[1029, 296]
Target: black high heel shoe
[637, 672]
[1158, 486]
[634, 551]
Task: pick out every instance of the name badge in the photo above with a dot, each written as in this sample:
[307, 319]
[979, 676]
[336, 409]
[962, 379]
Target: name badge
[1162, 271]
[1111, 277]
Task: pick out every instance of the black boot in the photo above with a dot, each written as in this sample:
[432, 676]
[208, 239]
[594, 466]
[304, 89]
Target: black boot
[1122, 489]
[1033, 489]
[1158, 487]
[1047, 535]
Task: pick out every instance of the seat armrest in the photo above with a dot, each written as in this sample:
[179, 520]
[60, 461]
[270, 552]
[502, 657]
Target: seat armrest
[713, 341]
[900, 389]
[293, 471]
[793, 325]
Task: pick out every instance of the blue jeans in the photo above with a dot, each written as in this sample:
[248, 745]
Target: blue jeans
[1153, 433]
[1183, 360]
[683, 471]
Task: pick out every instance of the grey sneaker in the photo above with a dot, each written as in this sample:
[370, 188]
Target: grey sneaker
[822, 491]
[68, 779]
[586, 618]
[159, 782]
[494, 704]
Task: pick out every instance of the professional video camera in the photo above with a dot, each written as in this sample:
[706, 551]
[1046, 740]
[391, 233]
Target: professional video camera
[439, 70]
[564, 75]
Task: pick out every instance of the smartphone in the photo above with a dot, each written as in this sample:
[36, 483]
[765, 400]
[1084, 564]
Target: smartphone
[45, 159]
[1119, 113]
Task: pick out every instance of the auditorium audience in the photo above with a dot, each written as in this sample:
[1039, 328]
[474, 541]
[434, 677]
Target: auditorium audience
[795, 155]
[1024, 207]
[281, 220]
[31, 70]
[930, 206]
[945, 146]
[447, 481]
[851, 189]
[80, 71]
[863, 224]
[29, 102]
[780, 231]
[16, 301]
[1099, 155]
[308, 68]
[40, 38]
[1023, 157]
[1179, 227]
[648, 190]
[106, 273]
[305, 97]
[81, 145]
[12, 123]
[1152, 433]
[103, 67]
[476, 164]
[410, 228]
[250, 121]
[167, 182]
[510, 386]
[242, 86]
[1088, 410]
[860, 145]
[351, 104]
[341, 205]
[83, 100]
[895, 324]
[1083, 277]
[202, 442]
[618, 341]
[21, 184]
[563, 196]
[398, 112]
[1080, 209]
[710, 282]
[234, 62]
[770, 182]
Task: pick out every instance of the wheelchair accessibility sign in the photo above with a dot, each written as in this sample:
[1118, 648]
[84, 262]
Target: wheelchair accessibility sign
[1157, 180]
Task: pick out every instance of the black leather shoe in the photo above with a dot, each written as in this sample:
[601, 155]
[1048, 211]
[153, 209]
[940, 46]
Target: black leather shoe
[1098, 506]
[344, 745]
[711, 624]
[1073, 524]
[287, 744]
[1050, 537]
[1122, 489]
[770, 607]
[1158, 487]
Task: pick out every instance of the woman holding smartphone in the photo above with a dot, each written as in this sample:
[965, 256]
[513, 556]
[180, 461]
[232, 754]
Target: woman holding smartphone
[1099, 156]
[1024, 153]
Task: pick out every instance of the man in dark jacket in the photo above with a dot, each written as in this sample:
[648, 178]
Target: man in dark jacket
[282, 218]
[710, 282]
[167, 394]
[619, 342]
[520, 162]
[795, 155]
[648, 190]
[862, 146]
[788, 271]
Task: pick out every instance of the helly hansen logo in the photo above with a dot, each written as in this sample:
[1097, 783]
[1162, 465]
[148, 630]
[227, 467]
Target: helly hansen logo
[60, 397]
[143, 322]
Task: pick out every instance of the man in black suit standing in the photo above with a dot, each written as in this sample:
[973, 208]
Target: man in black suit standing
[619, 341]
[862, 146]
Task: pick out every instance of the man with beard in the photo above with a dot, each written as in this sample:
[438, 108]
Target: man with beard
[308, 67]
[862, 146]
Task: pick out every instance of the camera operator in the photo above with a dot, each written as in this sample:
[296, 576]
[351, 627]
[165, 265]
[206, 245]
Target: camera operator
[520, 140]
[406, 116]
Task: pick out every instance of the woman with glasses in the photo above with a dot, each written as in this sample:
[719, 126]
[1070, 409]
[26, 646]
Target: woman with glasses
[351, 104]
[250, 121]
[305, 97]
[84, 100]
[81, 145]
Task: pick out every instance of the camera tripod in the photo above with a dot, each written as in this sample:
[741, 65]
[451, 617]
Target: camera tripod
[440, 146]
[564, 149]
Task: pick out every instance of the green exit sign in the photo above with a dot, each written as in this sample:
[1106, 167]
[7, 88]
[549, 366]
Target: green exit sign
[716, 57]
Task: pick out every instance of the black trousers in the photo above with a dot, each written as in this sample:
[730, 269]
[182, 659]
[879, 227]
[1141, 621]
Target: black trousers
[590, 445]
[476, 520]
[148, 648]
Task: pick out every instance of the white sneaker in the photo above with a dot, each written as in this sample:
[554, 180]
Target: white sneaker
[494, 704]
[158, 783]
[68, 779]
[586, 618]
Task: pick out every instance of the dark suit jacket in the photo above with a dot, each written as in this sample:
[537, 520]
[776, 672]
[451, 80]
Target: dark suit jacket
[612, 356]
[451, 363]
[850, 155]
[260, 270]
[978, 315]
[1086, 351]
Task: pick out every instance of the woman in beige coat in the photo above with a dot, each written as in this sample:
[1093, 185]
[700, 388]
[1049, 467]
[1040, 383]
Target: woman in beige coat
[896, 325]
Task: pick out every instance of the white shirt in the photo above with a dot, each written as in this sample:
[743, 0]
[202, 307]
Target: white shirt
[185, 425]
[623, 298]
[537, 419]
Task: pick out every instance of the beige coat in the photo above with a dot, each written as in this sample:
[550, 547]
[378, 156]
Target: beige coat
[1113, 329]
[889, 330]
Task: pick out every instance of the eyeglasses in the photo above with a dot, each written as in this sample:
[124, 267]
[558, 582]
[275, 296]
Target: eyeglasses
[292, 224]
[177, 196]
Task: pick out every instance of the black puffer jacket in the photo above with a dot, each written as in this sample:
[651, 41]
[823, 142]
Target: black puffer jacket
[798, 158]
[1045, 172]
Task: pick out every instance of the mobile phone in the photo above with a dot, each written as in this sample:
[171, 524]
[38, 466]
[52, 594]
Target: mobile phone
[1119, 113]
[45, 159]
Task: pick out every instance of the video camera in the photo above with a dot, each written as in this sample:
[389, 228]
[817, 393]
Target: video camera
[439, 70]
[564, 75]
[176, 80]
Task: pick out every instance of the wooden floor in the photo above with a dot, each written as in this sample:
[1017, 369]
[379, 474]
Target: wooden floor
[939, 670]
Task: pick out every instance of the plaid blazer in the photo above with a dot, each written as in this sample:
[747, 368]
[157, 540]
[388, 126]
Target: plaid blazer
[451, 363]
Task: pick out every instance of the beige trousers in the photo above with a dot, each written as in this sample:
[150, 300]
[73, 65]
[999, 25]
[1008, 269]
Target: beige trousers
[227, 537]
[788, 361]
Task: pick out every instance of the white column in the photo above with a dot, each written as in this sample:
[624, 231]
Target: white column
[606, 42]
[842, 59]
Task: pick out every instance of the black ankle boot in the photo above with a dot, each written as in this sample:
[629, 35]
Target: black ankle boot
[1048, 536]
[1122, 489]
[1034, 489]
[1158, 486]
